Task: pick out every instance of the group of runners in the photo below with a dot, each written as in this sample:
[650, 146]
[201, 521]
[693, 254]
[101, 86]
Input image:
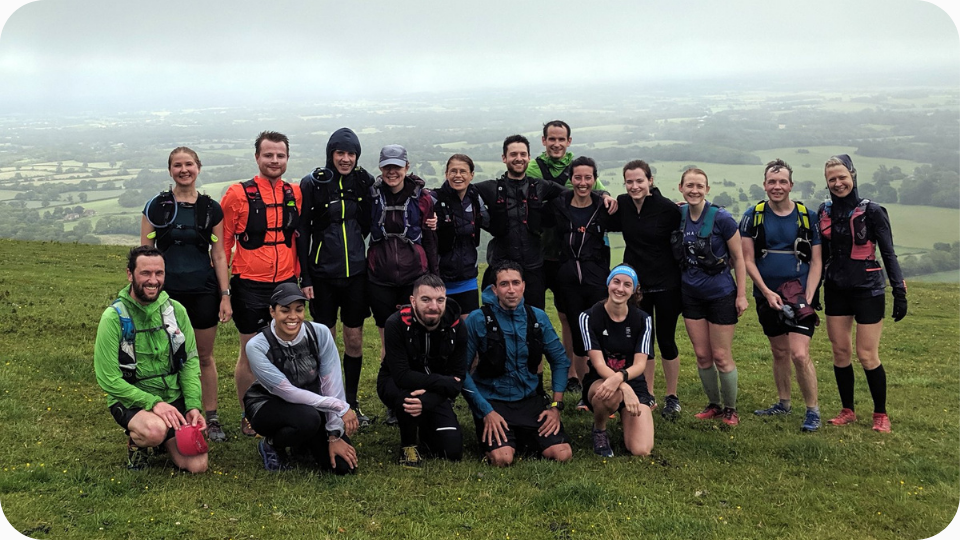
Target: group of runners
[344, 244]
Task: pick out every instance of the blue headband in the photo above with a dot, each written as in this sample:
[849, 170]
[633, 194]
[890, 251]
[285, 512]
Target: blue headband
[625, 270]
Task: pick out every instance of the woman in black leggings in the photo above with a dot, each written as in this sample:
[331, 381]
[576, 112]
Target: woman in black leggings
[298, 400]
[646, 219]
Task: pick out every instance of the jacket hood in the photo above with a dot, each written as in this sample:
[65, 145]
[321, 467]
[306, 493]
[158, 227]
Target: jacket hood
[342, 139]
[490, 299]
[844, 205]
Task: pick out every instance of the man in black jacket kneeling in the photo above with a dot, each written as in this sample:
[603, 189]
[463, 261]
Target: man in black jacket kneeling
[422, 372]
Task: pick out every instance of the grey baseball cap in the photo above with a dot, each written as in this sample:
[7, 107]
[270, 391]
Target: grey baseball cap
[393, 154]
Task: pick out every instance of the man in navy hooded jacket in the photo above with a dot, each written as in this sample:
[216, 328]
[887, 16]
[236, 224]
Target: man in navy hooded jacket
[333, 261]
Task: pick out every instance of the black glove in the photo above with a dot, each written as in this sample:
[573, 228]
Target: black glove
[899, 304]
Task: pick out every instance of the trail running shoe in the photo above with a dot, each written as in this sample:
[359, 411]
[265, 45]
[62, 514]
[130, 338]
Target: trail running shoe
[601, 443]
[136, 456]
[215, 431]
[366, 421]
[410, 457]
[881, 422]
[271, 458]
[672, 408]
[711, 411]
[777, 409]
[246, 428]
[582, 406]
[573, 385]
[391, 419]
[730, 416]
[811, 422]
[846, 416]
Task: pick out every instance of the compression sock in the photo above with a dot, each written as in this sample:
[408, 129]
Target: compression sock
[351, 376]
[728, 388]
[845, 385]
[711, 384]
[877, 381]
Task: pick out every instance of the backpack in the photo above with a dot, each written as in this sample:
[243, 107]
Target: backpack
[161, 212]
[700, 249]
[255, 232]
[278, 351]
[862, 248]
[127, 351]
[499, 222]
[447, 342]
[802, 247]
[493, 359]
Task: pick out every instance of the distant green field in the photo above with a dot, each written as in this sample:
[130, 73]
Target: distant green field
[939, 277]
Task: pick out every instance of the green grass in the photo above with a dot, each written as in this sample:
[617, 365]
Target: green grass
[62, 473]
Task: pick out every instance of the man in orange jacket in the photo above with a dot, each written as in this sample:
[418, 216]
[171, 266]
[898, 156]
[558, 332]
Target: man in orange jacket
[260, 218]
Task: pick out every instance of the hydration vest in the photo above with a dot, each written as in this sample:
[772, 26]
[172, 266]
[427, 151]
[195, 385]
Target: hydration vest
[161, 212]
[448, 207]
[701, 248]
[415, 347]
[255, 233]
[326, 195]
[802, 247]
[127, 353]
[531, 205]
[492, 359]
[547, 175]
[862, 249]
[412, 217]
[278, 353]
[597, 249]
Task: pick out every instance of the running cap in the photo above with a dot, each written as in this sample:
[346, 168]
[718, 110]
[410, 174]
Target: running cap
[393, 154]
[625, 270]
[190, 441]
[286, 294]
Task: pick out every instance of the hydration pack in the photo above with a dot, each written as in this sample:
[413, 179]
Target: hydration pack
[447, 221]
[532, 208]
[862, 249]
[127, 353]
[493, 358]
[802, 246]
[255, 233]
[701, 249]
[325, 195]
[412, 217]
[278, 353]
[413, 335]
[161, 212]
[547, 175]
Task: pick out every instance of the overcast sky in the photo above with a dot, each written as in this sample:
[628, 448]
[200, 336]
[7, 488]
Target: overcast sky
[82, 53]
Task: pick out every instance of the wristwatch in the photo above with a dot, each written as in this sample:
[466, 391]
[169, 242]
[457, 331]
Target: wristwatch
[225, 293]
[556, 405]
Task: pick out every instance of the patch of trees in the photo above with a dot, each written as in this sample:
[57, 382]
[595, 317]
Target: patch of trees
[29, 224]
[932, 186]
[944, 258]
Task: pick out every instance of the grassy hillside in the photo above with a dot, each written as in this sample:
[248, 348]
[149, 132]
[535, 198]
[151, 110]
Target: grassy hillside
[63, 474]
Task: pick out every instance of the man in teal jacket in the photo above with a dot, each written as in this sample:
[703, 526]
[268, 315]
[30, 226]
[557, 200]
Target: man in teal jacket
[150, 371]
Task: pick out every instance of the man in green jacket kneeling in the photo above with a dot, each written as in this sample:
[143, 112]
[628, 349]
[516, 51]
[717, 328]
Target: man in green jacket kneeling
[146, 361]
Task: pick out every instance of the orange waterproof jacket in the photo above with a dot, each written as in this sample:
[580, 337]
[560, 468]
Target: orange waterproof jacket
[268, 263]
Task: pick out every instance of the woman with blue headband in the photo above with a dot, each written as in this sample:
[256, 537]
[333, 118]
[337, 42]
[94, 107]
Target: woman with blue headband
[618, 338]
